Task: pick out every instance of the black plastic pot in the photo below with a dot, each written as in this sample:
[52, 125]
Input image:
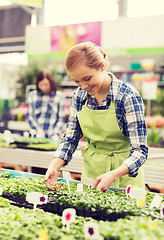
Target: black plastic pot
[95, 215]
[102, 215]
[80, 212]
[55, 208]
[49, 207]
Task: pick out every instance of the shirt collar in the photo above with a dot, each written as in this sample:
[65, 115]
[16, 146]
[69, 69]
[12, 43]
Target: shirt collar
[113, 90]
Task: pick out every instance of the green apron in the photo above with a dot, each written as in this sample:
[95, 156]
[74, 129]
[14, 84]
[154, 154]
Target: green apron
[107, 147]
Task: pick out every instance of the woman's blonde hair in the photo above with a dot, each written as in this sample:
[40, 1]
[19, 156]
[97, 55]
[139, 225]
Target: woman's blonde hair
[88, 53]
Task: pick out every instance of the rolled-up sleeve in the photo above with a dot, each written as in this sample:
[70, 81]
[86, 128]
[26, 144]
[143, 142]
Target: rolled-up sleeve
[135, 129]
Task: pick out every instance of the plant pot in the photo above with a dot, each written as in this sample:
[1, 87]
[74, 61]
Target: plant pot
[80, 212]
[60, 209]
[55, 208]
[102, 215]
[95, 215]
[88, 213]
[49, 207]
[44, 207]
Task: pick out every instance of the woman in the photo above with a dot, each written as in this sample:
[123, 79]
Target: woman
[46, 107]
[109, 113]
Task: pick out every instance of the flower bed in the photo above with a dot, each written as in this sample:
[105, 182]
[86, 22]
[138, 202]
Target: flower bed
[25, 224]
[110, 205]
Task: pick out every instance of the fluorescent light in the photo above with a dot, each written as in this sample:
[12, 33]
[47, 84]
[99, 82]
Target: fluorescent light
[5, 3]
[79, 11]
[141, 8]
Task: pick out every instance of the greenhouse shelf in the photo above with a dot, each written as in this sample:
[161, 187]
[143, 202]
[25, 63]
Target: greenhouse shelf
[42, 159]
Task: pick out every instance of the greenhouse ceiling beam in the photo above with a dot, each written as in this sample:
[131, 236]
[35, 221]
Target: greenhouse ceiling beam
[12, 39]
[33, 12]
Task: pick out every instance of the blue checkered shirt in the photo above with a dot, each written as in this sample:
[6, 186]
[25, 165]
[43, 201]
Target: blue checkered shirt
[130, 116]
[46, 112]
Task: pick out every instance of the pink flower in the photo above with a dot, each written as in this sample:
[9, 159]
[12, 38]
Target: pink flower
[68, 216]
[128, 190]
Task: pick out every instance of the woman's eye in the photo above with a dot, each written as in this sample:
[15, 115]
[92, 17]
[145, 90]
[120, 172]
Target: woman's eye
[87, 79]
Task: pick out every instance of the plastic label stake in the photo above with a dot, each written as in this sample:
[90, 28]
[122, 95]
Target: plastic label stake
[140, 203]
[138, 194]
[8, 137]
[1, 190]
[36, 198]
[43, 235]
[87, 181]
[67, 177]
[91, 230]
[26, 134]
[153, 225]
[68, 217]
[79, 187]
[156, 201]
[32, 132]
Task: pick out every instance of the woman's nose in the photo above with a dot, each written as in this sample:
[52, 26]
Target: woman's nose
[84, 86]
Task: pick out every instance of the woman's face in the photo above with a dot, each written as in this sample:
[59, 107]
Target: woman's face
[87, 78]
[44, 86]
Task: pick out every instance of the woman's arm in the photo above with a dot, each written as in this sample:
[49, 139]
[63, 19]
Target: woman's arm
[134, 128]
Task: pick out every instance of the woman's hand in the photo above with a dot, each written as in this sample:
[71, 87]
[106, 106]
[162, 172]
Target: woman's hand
[52, 172]
[51, 178]
[40, 133]
[104, 181]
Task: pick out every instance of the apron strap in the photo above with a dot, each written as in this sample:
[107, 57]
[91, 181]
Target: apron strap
[106, 151]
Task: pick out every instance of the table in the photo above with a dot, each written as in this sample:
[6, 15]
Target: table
[33, 158]
[154, 175]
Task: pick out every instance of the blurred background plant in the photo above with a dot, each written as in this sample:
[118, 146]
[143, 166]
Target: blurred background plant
[154, 137]
[158, 104]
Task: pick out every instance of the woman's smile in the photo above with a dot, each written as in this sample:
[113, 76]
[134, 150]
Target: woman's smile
[89, 89]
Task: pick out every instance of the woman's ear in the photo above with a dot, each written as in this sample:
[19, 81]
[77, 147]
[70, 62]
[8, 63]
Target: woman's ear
[102, 67]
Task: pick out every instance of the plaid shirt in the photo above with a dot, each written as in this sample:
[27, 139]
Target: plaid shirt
[130, 116]
[46, 112]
